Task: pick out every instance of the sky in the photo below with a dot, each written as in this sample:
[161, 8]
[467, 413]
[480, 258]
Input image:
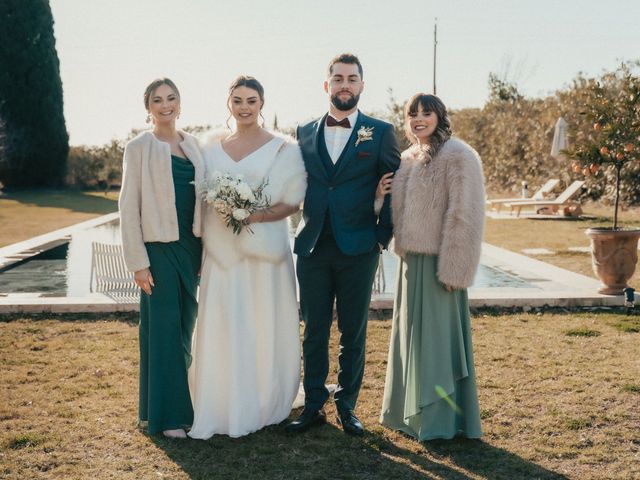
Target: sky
[109, 50]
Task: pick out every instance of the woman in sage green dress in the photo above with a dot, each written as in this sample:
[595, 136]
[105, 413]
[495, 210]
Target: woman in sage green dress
[438, 215]
[160, 225]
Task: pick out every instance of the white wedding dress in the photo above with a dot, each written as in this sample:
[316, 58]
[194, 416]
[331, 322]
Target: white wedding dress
[246, 347]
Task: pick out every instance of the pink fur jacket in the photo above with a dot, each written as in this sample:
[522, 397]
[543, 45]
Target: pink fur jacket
[438, 209]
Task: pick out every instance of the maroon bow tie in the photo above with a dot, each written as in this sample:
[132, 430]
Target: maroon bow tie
[332, 122]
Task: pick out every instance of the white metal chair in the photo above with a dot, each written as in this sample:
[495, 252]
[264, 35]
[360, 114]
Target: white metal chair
[110, 274]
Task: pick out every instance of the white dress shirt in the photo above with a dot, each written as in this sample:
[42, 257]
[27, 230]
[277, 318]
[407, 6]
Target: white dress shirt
[336, 138]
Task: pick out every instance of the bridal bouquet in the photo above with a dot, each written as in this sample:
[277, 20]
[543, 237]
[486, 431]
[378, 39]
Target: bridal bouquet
[233, 198]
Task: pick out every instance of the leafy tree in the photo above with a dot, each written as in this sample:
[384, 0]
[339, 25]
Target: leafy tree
[33, 139]
[395, 115]
[97, 167]
[610, 136]
[502, 90]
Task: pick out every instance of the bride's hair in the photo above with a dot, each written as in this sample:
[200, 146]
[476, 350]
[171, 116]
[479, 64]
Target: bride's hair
[249, 82]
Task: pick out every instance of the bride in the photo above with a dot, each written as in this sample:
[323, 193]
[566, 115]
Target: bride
[246, 350]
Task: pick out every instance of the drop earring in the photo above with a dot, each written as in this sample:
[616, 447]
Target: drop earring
[148, 120]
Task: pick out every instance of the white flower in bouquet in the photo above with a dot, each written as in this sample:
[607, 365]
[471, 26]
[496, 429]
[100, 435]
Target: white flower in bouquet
[219, 205]
[240, 214]
[245, 192]
[233, 198]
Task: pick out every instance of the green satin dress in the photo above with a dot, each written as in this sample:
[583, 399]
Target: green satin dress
[168, 316]
[430, 388]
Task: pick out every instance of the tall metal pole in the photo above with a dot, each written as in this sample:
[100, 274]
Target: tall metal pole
[435, 44]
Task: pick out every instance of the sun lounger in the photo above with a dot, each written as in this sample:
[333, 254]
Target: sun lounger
[563, 200]
[540, 194]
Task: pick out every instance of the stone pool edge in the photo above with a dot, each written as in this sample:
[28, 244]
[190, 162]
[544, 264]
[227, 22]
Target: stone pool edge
[17, 252]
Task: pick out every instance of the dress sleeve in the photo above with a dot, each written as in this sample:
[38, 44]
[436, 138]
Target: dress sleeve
[129, 204]
[377, 205]
[389, 161]
[398, 189]
[292, 174]
[463, 220]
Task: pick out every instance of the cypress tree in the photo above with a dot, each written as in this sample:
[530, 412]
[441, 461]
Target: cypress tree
[34, 143]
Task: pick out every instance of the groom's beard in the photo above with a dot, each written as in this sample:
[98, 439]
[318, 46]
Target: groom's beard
[346, 105]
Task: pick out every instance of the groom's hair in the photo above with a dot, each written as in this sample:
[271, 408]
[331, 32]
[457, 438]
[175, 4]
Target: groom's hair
[344, 58]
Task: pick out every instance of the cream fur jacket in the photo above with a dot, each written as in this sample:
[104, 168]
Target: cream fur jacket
[280, 163]
[438, 209]
[147, 198]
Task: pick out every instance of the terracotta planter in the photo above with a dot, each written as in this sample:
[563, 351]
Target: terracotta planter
[614, 254]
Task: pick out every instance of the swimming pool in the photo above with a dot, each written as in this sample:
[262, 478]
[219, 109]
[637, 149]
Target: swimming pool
[64, 271]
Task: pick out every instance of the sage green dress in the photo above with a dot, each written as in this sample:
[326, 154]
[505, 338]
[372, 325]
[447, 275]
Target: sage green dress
[430, 388]
[168, 315]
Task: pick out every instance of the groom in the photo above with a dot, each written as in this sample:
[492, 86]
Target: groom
[338, 247]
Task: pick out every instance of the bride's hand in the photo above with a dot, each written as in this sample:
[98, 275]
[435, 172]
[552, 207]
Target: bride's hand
[384, 185]
[255, 217]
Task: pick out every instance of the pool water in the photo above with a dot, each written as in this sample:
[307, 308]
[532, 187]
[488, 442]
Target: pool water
[64, 271]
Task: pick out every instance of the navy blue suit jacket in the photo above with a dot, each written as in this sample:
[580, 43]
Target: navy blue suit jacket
[347, 192]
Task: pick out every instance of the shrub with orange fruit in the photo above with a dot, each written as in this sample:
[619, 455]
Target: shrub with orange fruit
[615, 121]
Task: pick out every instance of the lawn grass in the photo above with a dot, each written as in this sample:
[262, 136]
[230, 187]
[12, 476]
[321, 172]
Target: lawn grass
[557, 235]
[30, 213]
[552, 405]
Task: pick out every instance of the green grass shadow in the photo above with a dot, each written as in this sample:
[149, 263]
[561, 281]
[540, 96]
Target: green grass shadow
[326, 452]
[74, 200]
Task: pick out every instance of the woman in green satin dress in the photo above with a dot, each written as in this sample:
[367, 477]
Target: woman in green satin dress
[158, 205]
[437, 204]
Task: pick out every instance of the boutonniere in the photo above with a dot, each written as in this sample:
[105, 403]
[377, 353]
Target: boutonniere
[364, 134]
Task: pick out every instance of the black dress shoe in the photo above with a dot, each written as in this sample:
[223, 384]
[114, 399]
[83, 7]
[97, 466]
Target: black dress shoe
[349, 422]
[309, 418]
